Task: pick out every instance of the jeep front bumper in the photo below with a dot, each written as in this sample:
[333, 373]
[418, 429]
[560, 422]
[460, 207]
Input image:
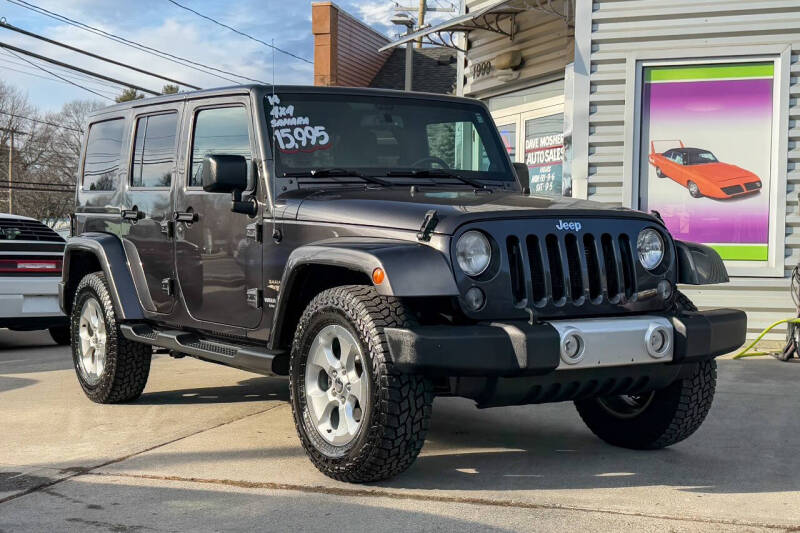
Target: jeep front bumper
[517, 348]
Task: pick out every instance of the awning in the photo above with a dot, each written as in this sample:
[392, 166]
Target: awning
[497, 17]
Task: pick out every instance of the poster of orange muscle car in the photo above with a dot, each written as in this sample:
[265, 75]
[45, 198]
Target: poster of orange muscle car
[707, 135]
[702, 173]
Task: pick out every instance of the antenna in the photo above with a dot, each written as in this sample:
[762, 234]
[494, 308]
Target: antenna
[276, 233]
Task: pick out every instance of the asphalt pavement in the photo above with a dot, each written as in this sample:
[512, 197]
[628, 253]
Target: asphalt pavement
[208, 448]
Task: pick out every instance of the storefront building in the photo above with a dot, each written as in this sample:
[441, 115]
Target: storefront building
[687, 108]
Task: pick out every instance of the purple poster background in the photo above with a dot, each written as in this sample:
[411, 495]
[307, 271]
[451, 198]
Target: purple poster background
[732, 118]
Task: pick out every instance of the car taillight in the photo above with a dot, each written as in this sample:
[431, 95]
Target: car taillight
[30, 266]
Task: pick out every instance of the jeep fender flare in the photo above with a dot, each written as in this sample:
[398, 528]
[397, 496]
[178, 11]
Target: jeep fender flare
[107, 249]
[412, 269]
[699, 264]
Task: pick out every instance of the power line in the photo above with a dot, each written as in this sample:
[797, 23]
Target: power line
[6, 187]
[47, 183]
[13, 49]
[46, 78]
[200, 67]
[95, 56]
[243, 34]
[56, 75]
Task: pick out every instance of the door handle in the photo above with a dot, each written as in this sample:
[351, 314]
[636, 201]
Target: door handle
[187, 216]
[132, 214]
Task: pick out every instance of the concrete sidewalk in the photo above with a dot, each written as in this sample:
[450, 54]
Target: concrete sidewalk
[210, 448]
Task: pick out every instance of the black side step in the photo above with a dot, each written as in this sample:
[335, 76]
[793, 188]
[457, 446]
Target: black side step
[248, 358]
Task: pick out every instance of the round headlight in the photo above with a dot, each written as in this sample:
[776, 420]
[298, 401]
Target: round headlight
[650, 248]
[473, 253]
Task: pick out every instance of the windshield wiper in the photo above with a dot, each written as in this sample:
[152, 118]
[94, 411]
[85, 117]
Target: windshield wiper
[437, 173]
[335, 173]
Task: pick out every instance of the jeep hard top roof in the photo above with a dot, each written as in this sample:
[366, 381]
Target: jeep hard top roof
[259, 91]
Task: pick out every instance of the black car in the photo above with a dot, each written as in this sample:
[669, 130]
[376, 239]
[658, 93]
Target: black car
[376, 247]
[30, 269]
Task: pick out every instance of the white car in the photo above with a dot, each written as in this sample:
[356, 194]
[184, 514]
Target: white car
[31, 256]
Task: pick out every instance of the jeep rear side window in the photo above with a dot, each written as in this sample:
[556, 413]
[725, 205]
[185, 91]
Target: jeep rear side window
[154, 151]
[222, 130]
[103, 150]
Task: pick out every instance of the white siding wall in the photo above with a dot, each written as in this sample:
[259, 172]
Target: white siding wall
[545, 41]
[621, 26]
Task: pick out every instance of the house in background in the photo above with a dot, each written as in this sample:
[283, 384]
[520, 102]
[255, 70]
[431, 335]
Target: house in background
[346, 54]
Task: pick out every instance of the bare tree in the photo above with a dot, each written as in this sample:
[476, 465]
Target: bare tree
[46, 155]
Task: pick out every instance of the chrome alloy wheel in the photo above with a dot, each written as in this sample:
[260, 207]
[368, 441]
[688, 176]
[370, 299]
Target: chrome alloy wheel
[92, 334]
[627, 405]
[336, 385]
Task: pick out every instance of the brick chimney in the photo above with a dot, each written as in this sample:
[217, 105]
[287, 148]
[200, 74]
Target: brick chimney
[345, 49]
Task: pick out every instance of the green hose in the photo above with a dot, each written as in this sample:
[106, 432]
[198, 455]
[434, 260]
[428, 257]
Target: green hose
[747, 353]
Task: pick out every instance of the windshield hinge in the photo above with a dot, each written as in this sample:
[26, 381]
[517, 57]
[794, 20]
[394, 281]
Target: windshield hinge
[428, 225]
[255, 231]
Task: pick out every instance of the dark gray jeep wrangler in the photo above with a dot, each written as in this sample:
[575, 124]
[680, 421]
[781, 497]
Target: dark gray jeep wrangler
[378, 249]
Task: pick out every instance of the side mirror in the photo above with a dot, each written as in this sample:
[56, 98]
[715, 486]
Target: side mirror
[224, 173]
[523, 177]
[228, 174]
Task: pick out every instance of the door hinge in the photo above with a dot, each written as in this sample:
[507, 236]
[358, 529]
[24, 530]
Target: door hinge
[255, 231]
[167, 228]
[254, 298]
[167, 285]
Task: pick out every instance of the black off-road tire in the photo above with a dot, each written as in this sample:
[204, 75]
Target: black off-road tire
[673, 414]
[60, 335]
[660, 173]
[395, 423]
[127, 362]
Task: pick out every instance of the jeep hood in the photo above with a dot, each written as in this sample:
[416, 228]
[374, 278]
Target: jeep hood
[399, 208]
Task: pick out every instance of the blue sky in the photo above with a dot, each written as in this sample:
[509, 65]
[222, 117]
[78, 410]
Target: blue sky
[162, 25]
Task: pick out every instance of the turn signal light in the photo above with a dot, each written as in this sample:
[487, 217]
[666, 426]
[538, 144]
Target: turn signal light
[378, 275]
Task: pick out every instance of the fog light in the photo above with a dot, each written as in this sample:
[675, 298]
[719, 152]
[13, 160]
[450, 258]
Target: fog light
[571, 347]
[657, 341]
[475, 299]
[665, 289]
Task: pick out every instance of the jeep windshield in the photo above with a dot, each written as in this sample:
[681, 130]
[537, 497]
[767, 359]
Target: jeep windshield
[398, 139]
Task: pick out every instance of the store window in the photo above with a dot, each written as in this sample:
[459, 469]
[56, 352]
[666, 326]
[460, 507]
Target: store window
[544, 154]
[707, 153]
[508, 132]
[533, 120]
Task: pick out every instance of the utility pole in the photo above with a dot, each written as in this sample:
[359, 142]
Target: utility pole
[11, 133]
[403, 19]
[421, 10]
[10, 171]
[423, 4]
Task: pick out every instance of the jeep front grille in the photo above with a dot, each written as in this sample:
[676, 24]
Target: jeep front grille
[571, 268]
